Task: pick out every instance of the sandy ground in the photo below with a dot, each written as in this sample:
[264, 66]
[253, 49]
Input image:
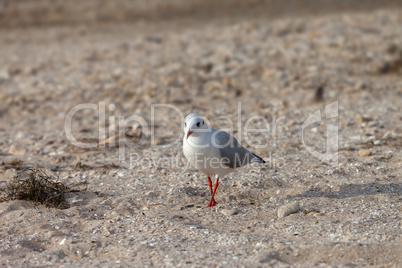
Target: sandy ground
[149, 209]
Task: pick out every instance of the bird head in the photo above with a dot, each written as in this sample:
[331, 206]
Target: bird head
[194, 125]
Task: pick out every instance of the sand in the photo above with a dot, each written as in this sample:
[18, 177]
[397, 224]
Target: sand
[137, 203]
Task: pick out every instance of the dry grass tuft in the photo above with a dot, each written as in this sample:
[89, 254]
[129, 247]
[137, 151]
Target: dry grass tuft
[35, 185]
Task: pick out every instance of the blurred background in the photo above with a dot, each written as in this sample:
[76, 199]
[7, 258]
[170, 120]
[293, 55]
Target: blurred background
[45, 12]
[275, 57]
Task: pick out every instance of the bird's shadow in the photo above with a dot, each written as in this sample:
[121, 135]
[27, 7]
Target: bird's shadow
[352, 190]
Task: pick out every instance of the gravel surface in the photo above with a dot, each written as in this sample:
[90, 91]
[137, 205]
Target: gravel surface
[142, 205]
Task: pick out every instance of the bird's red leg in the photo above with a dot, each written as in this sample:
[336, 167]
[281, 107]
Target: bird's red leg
[210, 185]
[212, 203]
[215, 188]
[210, 189]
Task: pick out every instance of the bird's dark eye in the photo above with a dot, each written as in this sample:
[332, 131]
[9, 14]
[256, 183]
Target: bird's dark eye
[198, 124]
[185, 124]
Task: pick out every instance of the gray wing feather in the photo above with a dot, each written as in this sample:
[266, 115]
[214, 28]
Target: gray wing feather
[229, 148]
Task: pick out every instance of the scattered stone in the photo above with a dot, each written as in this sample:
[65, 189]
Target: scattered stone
[55, 233]
[229, 212]
[53, 167]
[9, 174]
[388, 135]
[378, 142]
[232, 198]
[110, 141]
[360, 85]
[12, 162]
[288, 209]
[307, 211]
[360, 119]
[319, 94]
[16, 150]
[134, 131]
[117, 73]
[74, 199]
[4, 75]
[238, 184]
[364, 152]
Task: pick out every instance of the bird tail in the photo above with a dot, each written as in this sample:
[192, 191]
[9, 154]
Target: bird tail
[257, 159]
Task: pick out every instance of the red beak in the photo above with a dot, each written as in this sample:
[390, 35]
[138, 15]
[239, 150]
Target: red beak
[189, 133]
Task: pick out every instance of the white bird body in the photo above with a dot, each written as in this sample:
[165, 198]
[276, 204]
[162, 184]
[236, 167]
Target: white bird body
[213, 151]
[203, 156]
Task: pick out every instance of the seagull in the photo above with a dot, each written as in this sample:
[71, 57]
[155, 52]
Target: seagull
[213, 152]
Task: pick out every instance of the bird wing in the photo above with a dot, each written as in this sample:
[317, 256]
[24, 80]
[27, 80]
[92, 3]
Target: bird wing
[229, 148]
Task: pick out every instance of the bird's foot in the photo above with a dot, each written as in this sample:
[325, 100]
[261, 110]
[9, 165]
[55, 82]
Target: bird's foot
[212, 203]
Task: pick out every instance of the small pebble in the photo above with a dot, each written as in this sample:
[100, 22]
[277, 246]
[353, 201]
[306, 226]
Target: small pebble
[359, 119]
[12, 161]
[55, 233]
[307, 211]
[364, 152]
[229, 212]
[238, 184]
[317, 215]
[387, 135]
[288, 209]
[362, 119]
[16, 150]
